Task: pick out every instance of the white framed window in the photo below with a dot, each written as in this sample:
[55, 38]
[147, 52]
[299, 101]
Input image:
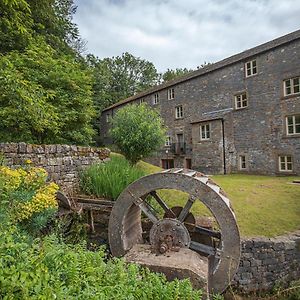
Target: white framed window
[291, 86]
[293, 125]
[250, 68]
[205, 131]
[241, 101]
[156, 98]
[107, 118]
[285, 163]
[142, 100]
[171, 94]
[242, 162]
[168, 141]
[179, 112]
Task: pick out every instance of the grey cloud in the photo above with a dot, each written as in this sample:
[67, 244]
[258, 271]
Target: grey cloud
[173, 33]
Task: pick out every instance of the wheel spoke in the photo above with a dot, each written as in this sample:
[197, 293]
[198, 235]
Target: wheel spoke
[146, 209]
[162, 203]
[202, 230]
[202, 248]
[185, 211]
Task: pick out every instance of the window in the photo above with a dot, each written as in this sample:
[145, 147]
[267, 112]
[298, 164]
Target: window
[168, 141]
[242, 162]
[178, 112]
[107, 118]
[241, 101]
[250, 68]
[171, 94]
[292, 86]
[205, 132]
[293, 124]
[285, 163]
[156, 98]
[142, 100]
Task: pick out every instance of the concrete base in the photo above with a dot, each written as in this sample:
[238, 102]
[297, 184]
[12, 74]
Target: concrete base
[182, 264]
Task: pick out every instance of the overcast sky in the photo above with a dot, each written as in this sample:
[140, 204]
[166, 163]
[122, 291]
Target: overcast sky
[182, 33]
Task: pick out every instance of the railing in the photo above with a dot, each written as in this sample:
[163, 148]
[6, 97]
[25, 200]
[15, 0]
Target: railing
[178, 148]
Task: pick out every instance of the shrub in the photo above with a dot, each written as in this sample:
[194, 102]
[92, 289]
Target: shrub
[137, 130]
[110, 179]
[49, 269]
[26, 198]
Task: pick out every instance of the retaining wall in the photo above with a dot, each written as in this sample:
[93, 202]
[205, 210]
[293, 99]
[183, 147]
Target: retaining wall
[62, 162]
[267, 262]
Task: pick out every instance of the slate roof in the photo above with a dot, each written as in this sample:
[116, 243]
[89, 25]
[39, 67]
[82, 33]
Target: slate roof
[218, 65]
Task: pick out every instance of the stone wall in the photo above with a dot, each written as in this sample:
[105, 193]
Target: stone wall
[62, 162]
[267, 262]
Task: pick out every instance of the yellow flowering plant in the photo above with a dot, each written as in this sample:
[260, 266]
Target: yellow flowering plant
[30, 199]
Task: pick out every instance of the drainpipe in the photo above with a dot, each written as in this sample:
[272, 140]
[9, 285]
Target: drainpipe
[224, 154]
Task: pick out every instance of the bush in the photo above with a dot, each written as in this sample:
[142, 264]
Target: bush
[137, 130]
[49, 269]
[110, 179]
[26, 198]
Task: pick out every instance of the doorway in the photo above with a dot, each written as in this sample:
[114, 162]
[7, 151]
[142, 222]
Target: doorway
[167, 163]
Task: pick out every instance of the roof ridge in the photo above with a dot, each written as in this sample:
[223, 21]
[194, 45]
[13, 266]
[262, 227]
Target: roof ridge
[215, 66]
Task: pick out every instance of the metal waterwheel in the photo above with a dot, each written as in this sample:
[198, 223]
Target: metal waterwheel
[176, 234]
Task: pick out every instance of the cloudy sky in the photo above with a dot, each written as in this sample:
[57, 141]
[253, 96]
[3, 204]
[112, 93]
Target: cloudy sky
[182, 33]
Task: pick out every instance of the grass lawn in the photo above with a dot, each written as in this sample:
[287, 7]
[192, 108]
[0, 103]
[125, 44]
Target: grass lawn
[264, 205]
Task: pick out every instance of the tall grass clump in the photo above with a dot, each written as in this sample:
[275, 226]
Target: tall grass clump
[109, 179]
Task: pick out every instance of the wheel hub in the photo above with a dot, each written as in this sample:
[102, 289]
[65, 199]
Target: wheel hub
[169, 235]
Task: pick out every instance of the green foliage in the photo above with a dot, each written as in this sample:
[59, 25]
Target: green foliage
[48, 93]
[172, 74]
[110, 179]
[49, 269]
[26, 199]
[15, 25]
[119, 77]
[138, 131]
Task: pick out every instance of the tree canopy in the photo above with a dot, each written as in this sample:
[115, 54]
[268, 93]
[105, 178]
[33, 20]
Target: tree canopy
[137, 130]
[119, 77]
[45, 97]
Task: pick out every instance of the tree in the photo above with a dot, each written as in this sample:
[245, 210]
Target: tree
[45, 97]
[172, 74]
[119, 77]
[138, 131]
[15, 25]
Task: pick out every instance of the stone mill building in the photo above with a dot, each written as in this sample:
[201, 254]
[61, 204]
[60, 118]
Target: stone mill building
[241, 114]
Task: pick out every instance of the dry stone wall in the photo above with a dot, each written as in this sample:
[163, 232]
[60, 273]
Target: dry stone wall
[62, 162]
[267, 262]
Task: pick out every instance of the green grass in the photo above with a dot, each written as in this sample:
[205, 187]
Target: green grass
[110, 179]
[264, 205]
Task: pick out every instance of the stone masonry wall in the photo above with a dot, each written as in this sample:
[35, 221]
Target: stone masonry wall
[267, 262]
[62, 162]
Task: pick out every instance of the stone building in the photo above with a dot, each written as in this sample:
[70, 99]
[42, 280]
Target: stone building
[241, 114]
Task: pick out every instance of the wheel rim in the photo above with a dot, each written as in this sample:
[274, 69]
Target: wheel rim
[125, 222]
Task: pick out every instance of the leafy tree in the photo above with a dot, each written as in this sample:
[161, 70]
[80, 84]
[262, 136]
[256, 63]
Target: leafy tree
[172, 74]
[119, 77]
[53, 20]
[15, 25]
[138, 131]
[45, 97]
[22, 20]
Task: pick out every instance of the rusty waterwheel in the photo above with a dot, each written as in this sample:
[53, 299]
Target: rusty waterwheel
[175, 238]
